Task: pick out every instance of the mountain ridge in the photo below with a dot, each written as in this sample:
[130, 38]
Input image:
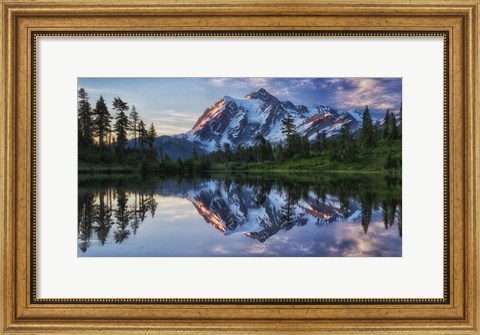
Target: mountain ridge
[238, 121]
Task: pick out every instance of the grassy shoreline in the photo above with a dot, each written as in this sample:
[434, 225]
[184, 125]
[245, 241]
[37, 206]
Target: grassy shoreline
[281, 167]
[136, 171]
[128, 174]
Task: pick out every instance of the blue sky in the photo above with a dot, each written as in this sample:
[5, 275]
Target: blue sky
[174, 104]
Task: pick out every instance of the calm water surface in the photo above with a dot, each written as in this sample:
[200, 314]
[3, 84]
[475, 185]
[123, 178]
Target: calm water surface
[241, 215]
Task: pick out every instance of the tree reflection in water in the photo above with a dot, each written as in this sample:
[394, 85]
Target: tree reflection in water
[259, 206]
[96, 208]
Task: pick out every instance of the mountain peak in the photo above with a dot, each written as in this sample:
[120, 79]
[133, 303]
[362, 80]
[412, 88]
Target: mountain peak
[238, 121]
[263, 95]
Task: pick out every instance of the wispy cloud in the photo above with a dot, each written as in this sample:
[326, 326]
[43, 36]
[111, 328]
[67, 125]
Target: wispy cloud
[328, 82]
[171, 122]
[282, 88]
[218, 82]
[377, 93]
[106, 92]
[304, 83]
[171, 115]
[240, 83]
[169, 129]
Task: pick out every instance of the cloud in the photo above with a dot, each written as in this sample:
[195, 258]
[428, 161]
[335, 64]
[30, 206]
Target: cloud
[241, 83]
[277, 87]
[168, 129]
[171, 115]
[259, 82]
[350, 241]
[377, 93]
[172, 122]
[304, 83]
[328, 82]
[105, 92]
[218, 82]
[219, 249]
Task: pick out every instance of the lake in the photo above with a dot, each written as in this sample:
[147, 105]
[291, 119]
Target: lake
[237, 215]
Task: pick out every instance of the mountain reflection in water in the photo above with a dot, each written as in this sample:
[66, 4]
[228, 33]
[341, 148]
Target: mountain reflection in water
[245, 216]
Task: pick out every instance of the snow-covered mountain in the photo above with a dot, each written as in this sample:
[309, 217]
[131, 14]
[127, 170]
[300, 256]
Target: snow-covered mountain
[239, 121]
[233, 208]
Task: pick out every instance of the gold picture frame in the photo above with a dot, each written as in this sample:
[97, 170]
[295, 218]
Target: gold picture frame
[23, 22]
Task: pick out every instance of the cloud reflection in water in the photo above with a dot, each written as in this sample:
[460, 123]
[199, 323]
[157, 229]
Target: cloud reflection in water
[218, 217]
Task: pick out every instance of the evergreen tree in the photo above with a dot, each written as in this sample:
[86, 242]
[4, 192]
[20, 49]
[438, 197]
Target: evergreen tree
[305, 147]
[263, 149]
[119, 105]
[85, 121]
[228, 151]
[101, 121]
[151, 135]
[134, 118]
[344, 142]
[367, 132]
[142, 135]
[377, 131]
[269, 152]
[321, 142]
[122, 124]
[240, 154]
[218, 146]
[393, 132]
[288, 129]
[279, 152]
[390, 131]
[390, 163]
[400, 120]
[386, 125]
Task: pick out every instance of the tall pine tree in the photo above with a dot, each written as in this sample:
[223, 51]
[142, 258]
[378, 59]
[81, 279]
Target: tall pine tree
[344, 142]
[134, 118]
[288, 129]
[101, 121]
[390, 131]
[142, 134]
[85, 121]
[386, 125]
[400, 120]
[122, 124]
[151, 135]
[367, 132]
[393, 132]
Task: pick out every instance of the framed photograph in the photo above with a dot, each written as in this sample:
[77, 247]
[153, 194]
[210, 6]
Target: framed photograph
[219, 167]
[232, 168]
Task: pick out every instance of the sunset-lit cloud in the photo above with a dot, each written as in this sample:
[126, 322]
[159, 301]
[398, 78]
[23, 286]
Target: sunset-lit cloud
[342, 93]
[172, 122]
[376, 93]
